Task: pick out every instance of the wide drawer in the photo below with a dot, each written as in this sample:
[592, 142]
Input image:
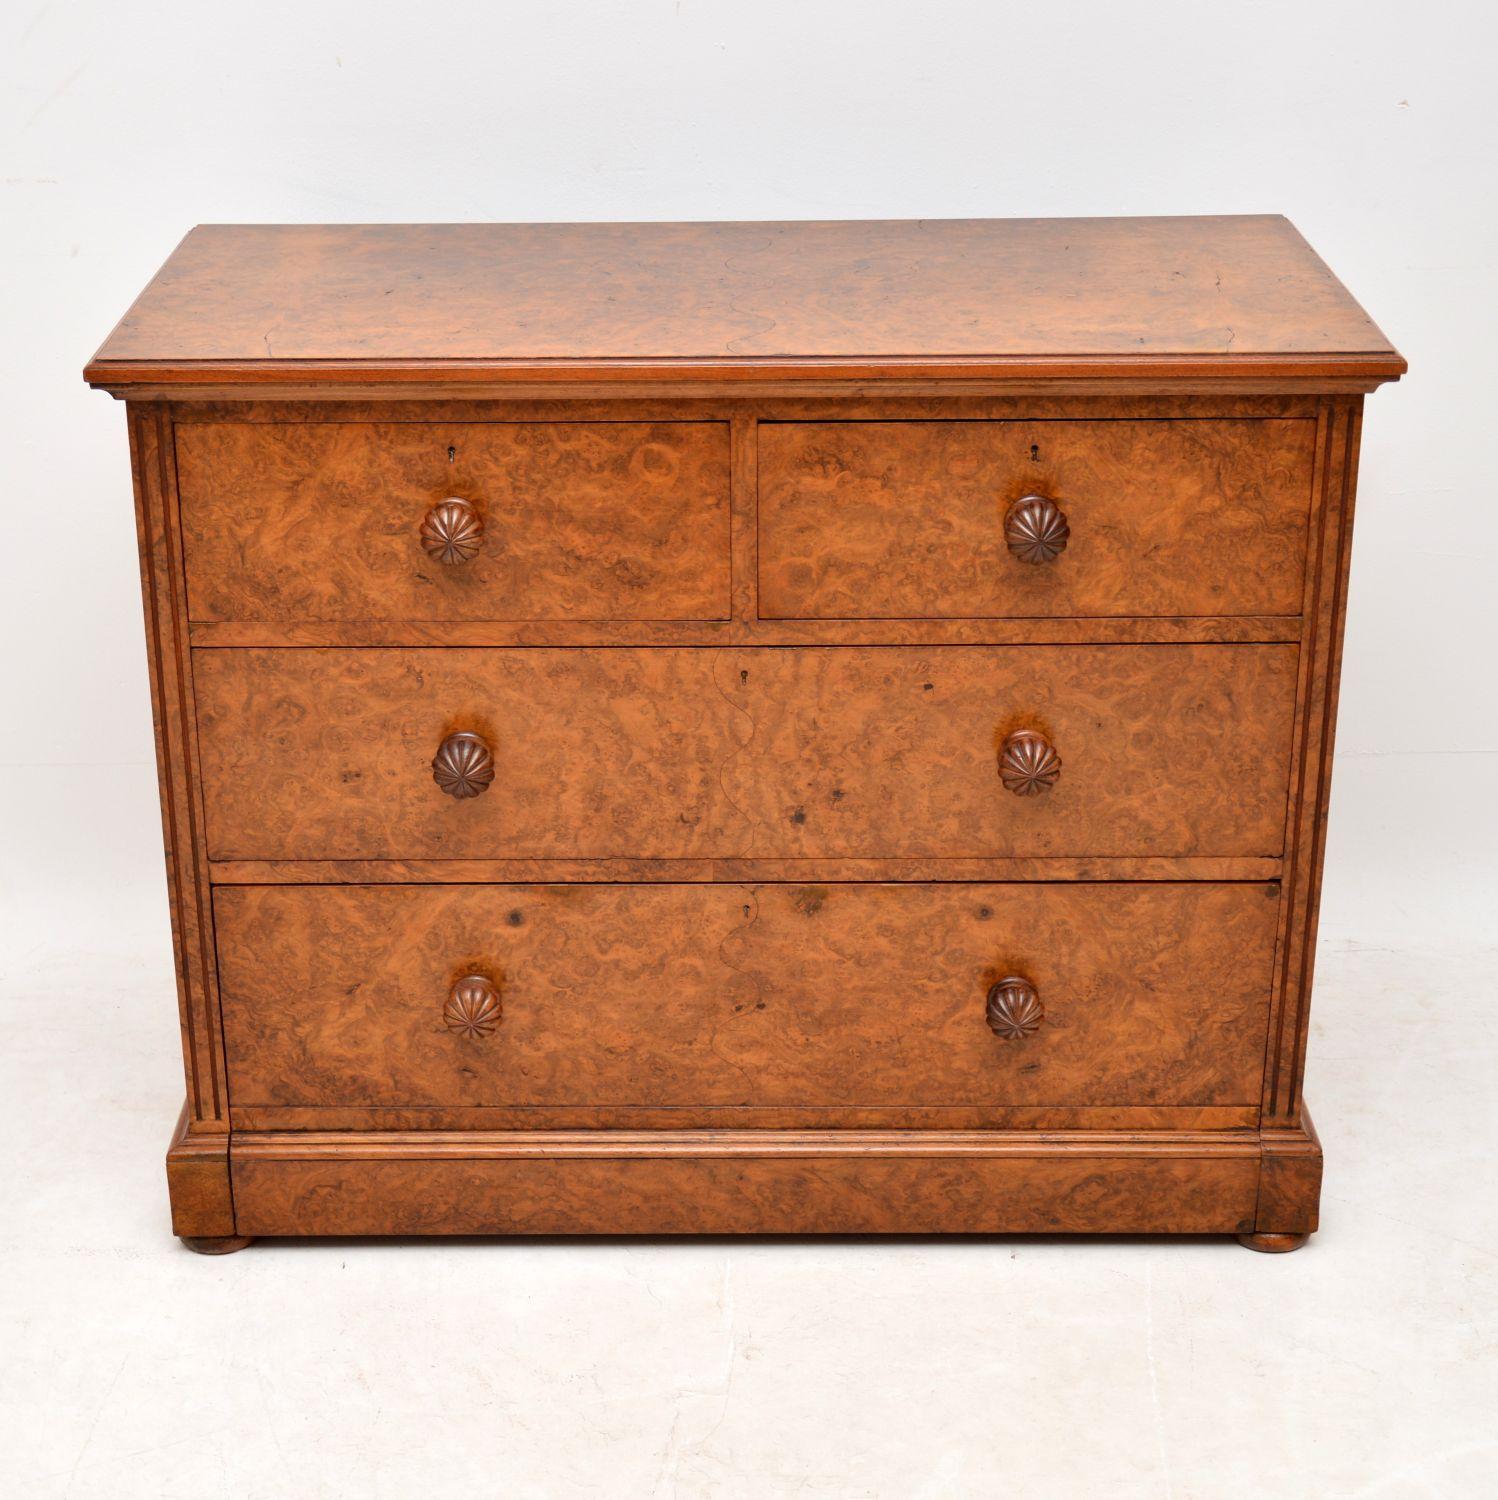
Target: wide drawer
[724, 995]
[847, 752]
[925, 519]
[555, 520]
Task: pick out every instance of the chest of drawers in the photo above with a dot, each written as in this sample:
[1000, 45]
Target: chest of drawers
[747, 728]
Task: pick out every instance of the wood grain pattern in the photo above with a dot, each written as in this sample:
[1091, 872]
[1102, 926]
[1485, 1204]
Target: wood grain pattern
[744, 871]
[895, 519]
[197, 1179]
[628, 404]
[1082, 377]
[310, 304]
[998, 1186]
[173, 714]
[747, 631]
[356, 1121]
[582, 520]
[741, 1145]
[1290, 1179]
[790, 996]
[731, 578]
[1325, 611]
[1170, 751]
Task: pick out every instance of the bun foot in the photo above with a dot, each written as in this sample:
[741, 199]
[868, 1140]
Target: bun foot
[1273, 1244]
[224, 1244]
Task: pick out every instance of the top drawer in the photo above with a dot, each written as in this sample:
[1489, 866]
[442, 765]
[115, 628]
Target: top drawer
[881, 520]
[559, 520]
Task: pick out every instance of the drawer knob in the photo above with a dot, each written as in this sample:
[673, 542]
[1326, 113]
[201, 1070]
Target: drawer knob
[1035, 529]
[452, 532]
[473, 1009]
[1028, 763]
[463, 765]
[1014, 1008]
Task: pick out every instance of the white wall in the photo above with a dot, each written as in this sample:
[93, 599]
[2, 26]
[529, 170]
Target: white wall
[1371, 125]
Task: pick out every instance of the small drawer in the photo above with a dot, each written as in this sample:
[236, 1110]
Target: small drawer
[709, 996]
[829, 752]
[331, 521]
[925, 520]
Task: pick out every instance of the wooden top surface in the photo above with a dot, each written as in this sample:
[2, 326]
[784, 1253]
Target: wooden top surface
[1004, 299]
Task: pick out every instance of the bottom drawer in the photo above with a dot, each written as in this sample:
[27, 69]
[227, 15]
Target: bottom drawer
[717, 997]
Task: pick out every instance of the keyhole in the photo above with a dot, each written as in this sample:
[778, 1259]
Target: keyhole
[1034, 453]
[452, 453]
[743, 678]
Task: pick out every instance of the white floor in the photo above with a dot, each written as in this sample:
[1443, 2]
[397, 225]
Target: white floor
[1366, 1364]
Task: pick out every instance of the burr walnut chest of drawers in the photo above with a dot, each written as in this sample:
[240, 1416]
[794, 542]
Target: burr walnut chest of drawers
[744, 728]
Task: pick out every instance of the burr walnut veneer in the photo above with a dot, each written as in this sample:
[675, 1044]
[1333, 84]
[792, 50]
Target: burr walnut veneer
[744, 728]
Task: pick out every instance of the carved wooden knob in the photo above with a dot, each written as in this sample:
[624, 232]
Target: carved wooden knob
[452, 532]
[463, 765]
[1014, 1008]
[1035, 529]
[1028, 763]
[473, 1009]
